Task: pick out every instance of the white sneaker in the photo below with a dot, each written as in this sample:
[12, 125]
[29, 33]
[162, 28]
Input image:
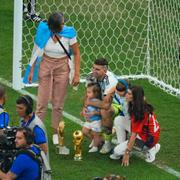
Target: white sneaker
[55, 139]
[63, 150]
[114, 156]
[106, 148]
[93, 149]
[92, 143]
[151, 153]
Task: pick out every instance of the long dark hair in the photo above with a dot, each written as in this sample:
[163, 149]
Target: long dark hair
[138, 106]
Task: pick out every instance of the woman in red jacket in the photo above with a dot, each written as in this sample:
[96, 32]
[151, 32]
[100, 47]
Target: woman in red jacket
[145, 129]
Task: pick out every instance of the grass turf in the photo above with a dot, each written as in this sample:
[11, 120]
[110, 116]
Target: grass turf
[64, 167]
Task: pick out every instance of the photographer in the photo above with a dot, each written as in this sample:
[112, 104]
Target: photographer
[24, 166]
[4, 117]
[24, 108]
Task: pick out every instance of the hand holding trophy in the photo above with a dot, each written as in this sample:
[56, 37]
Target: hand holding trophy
[77, 140]
[61, 148]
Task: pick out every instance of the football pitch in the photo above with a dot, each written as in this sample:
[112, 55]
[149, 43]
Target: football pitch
[167, 109]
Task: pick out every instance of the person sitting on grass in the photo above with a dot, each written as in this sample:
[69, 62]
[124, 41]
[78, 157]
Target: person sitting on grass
[106, 80]
[121, 119]
[145, 130]
[113, 105]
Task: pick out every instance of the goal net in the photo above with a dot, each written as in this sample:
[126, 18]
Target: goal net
[139, 38]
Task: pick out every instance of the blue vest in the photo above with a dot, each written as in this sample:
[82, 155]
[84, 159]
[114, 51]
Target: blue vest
[4, 118]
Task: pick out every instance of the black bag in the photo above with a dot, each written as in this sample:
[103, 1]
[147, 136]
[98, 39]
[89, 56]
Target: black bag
[139, 144]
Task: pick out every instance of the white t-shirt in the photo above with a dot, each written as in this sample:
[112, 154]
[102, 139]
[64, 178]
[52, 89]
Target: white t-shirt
[111, 82]
[55, 50]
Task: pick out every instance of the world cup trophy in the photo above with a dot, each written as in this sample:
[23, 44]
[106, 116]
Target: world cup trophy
[77, 140]
[61, 148]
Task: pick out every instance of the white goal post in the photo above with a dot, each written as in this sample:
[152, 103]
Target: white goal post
[139, 38]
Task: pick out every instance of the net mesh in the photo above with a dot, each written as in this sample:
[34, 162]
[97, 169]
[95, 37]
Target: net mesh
[164, 42]
[137, 37]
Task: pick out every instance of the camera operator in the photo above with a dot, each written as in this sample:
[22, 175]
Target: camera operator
[24, 166]
[24, 108]
[4, 117]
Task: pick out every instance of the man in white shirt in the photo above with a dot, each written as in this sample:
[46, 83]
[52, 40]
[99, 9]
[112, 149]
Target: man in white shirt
[102, 76]
[107, 80]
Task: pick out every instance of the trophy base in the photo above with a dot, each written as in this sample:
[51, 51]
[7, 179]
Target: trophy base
[78, 158]
[62, 150]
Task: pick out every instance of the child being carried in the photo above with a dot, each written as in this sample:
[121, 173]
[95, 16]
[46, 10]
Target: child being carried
[92, 126]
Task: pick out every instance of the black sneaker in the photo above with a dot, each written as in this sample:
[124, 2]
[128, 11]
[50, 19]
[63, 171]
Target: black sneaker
[33, 17]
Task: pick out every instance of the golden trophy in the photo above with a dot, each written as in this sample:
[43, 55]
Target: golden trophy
[77, 140]
[61, 148]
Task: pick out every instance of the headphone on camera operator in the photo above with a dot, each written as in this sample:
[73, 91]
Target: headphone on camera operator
[27, 102]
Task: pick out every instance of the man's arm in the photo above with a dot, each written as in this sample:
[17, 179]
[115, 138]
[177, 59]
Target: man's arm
[125, 160]
[40, 139]
[44, 147]
[76, 52]
[104, 104]
[8, 176]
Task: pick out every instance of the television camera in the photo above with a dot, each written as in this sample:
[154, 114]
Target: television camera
[8, 148]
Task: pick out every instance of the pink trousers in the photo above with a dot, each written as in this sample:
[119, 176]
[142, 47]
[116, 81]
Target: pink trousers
[53, 83]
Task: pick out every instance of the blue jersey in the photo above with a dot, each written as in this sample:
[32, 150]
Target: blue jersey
[25, 167]
[91, 109]
[39, 134]
[4, 118]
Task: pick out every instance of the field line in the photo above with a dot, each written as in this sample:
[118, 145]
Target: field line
[78, 121]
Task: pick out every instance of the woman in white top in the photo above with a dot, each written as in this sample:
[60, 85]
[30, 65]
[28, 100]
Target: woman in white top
[54, 69]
